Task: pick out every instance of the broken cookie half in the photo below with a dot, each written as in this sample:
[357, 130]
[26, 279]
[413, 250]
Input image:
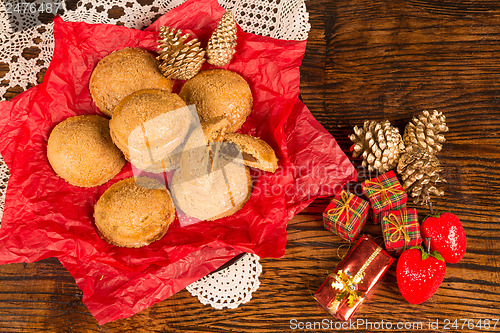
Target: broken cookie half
[255, 152]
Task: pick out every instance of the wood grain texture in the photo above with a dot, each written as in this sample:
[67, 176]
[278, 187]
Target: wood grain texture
[364, 59]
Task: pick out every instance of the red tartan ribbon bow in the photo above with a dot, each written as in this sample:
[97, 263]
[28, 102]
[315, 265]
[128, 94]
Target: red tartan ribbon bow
[377, 188]
[345, 199]
[399, 228]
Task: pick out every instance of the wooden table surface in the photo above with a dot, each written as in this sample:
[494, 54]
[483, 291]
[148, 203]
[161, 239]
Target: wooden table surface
[364, 60]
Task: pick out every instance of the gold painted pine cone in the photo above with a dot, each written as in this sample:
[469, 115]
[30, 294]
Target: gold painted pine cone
[179, 59]
[425, 131]
[420, 173]
[379, 143]
[222, 43]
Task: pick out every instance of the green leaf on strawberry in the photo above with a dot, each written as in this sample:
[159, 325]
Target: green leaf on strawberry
[426, 255]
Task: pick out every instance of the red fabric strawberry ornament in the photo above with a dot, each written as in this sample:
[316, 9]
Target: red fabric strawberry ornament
[448, 236]
[419, 274]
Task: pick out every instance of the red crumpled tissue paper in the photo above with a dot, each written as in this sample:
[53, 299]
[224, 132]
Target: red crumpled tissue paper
[46, 217]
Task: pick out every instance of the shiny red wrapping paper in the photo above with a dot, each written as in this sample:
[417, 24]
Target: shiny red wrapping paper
[46, 217]
[352, 263]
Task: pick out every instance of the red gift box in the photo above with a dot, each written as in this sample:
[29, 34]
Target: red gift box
[346, 215]
[384, 193]
[401, 229]
[345, 289]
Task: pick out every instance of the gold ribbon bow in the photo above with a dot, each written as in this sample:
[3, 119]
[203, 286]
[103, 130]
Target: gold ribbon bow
[377, 188]
[399, 228]
[348, 284]
[345, 199]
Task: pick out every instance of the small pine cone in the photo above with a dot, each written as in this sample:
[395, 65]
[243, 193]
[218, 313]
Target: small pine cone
[420, 173]
[379, 144]
[425, 131]
[222, 43]
[179, 59]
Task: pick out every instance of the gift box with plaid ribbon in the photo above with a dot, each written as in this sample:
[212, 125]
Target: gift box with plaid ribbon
[385, 193]
[346, 215]
[401, 230]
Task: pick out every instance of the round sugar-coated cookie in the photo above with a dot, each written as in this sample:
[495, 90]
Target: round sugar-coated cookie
[121, 73]
[219, 92]
[134, 212]
[80, 151]
[148, 126]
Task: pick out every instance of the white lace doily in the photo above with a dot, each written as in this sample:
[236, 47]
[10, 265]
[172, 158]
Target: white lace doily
[230, 287]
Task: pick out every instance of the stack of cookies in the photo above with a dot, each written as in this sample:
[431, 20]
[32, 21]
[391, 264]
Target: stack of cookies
[157, 132]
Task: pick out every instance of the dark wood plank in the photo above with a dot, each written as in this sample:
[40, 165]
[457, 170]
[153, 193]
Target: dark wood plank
[376, 60]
